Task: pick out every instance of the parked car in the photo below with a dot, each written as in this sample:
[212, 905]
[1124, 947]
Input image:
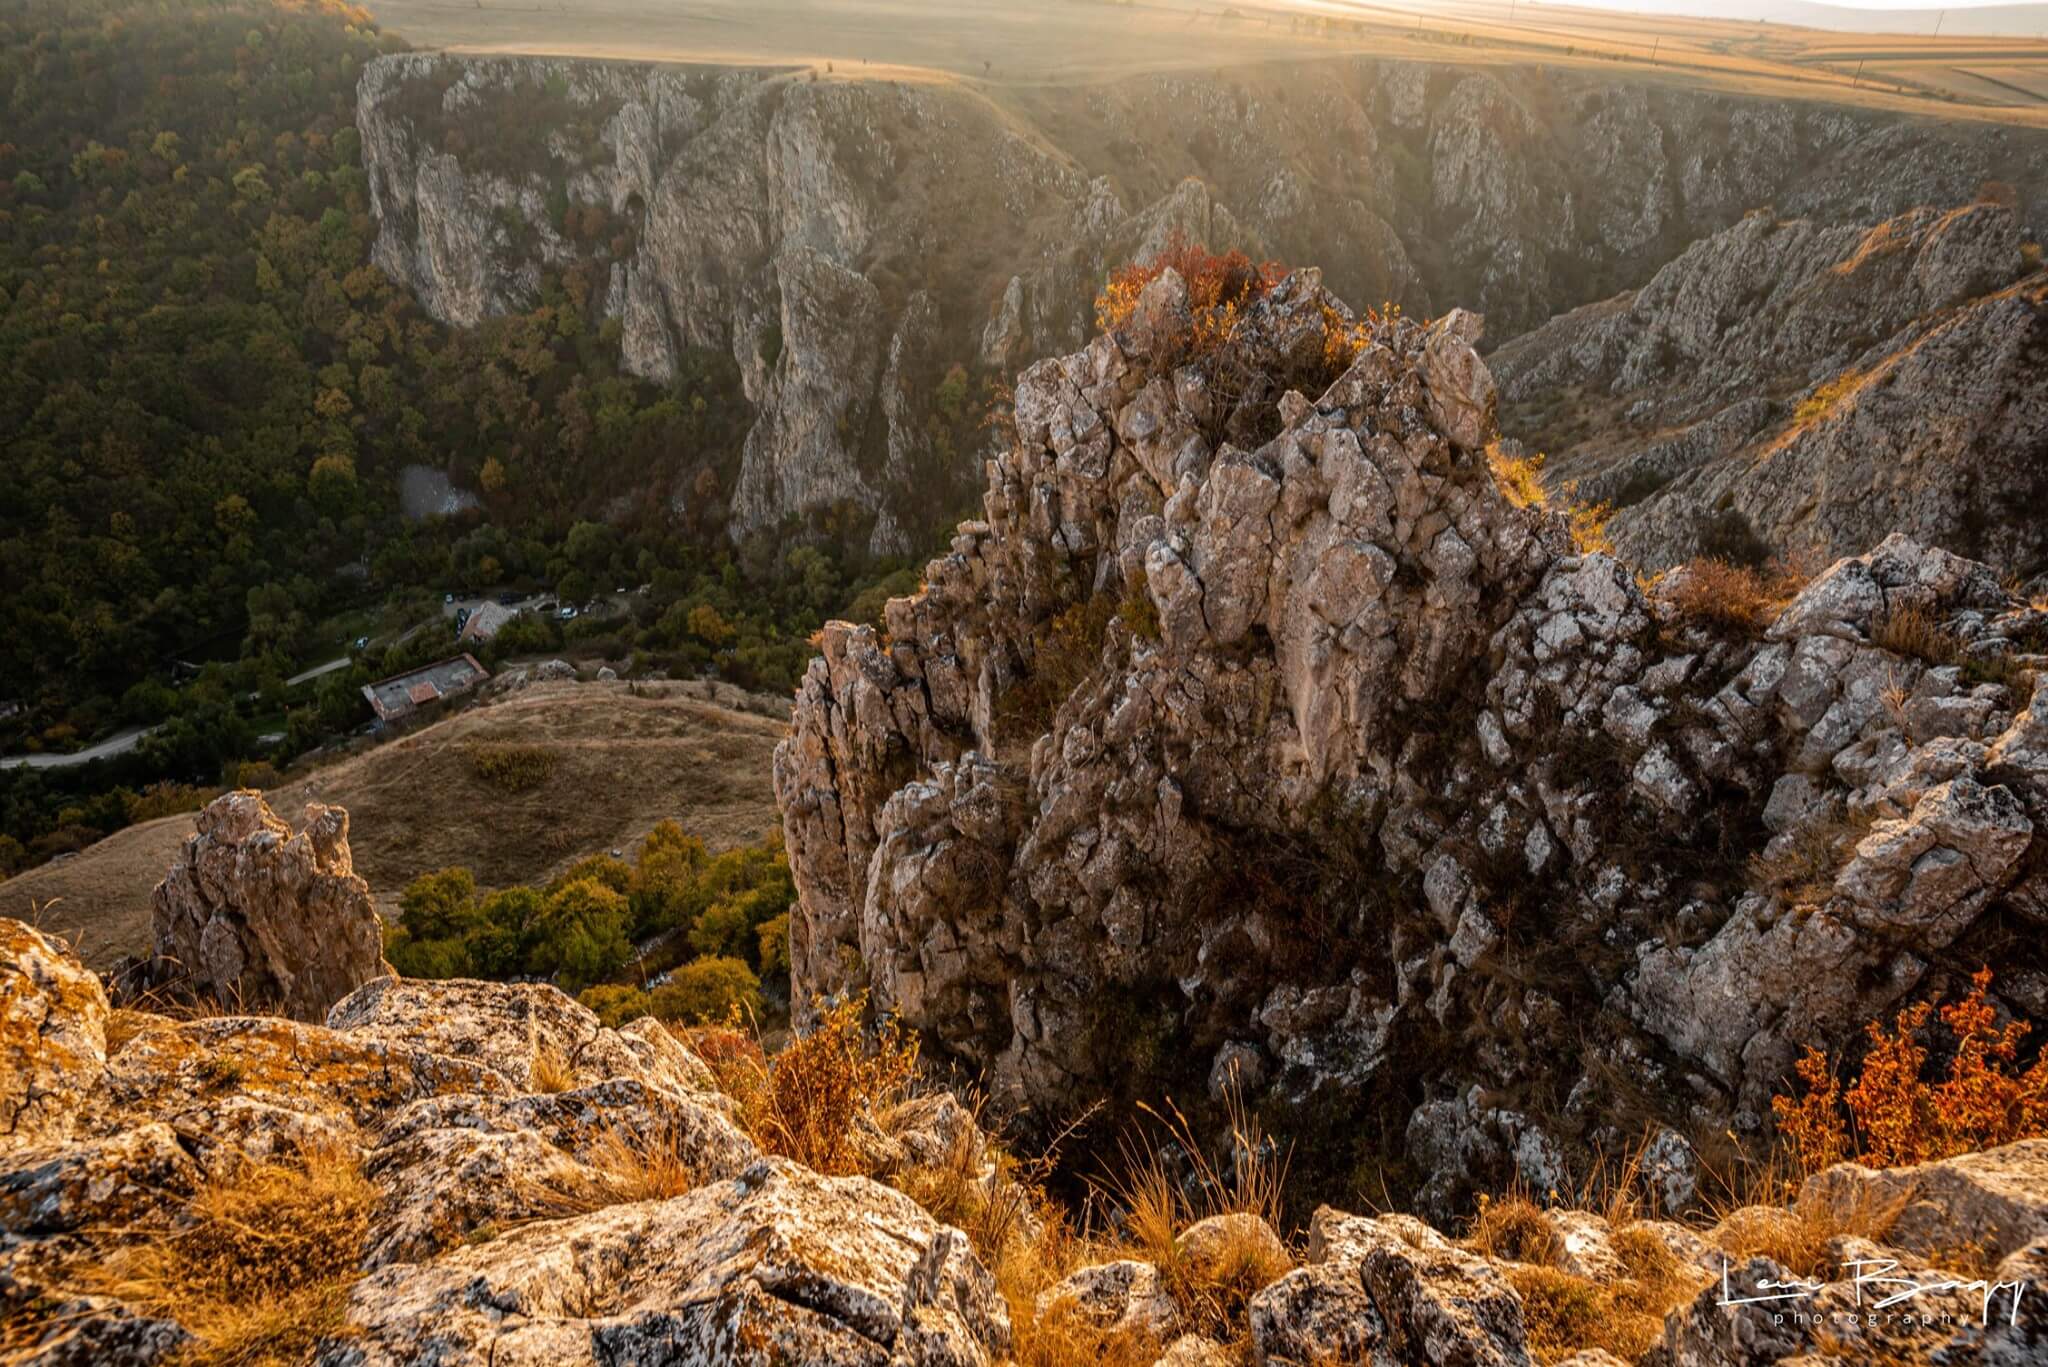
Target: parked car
[447, 597]
[461, 618]
[362, 643]
[568, 612]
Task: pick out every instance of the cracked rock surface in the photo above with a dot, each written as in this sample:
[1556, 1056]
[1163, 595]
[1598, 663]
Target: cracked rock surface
[469, 1255]
[257, 915]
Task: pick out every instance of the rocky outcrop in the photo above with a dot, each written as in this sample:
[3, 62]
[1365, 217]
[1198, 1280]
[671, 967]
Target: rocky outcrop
[775, 1265]
[506, 1226]
[256, 916]
[510, 1222]
[53, 1035]
[1255, 725]
[846, 241]
[1806, 389]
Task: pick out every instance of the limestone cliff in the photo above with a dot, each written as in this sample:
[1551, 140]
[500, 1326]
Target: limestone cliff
[846, 241]
[1256, 728]
[1793, 387]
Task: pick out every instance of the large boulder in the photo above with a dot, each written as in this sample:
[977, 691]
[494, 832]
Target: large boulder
[777, 1265]
[447, 1166]
[520, 1031]
[1388, 1291]
[255, 916]
[53, 1036]
[1126, 1297]
[1993, 1203]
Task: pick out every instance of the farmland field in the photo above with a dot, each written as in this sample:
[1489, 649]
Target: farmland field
[1059, 42]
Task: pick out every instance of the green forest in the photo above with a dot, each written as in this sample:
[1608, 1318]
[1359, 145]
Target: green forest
[715, 927]
[212, 392]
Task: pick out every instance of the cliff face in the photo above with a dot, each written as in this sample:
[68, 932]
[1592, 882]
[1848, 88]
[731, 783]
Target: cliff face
[1806, 388]
[1256, 729]
[847, 241]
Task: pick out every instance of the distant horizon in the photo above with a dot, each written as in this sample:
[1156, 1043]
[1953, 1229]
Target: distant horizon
[1983, 18]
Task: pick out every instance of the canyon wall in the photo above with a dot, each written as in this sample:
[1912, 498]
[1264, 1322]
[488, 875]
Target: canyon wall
[848, 241]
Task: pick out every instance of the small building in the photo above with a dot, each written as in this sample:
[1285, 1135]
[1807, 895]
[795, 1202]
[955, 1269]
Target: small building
[401, 695]
[483, 623]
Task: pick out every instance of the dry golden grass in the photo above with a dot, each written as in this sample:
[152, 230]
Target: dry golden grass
[1160, 1198]
[1802, 872]
[1520, 480]
[630, 1165]
[806, 1102]
[124, 1025]
[1065, 1336]
[263, 1268]
[1566, 1314]
[413, 804]
[1796, 1237]
[1714, 593]
[552, 1072]
[1515, 1228]
[1916, 633]
[979, 1189]
[1823, 401]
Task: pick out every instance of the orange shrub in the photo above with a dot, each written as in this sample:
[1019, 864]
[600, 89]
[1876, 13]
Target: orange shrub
[1219, 287]
[808, 1101]
[1895, 1117]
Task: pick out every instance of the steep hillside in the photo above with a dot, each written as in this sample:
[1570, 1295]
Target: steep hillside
[1790, 386]
[1267, 727]
[848, 242]
[620, 760]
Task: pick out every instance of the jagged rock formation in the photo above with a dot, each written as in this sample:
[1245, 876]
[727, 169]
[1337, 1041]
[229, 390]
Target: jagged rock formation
[1255, 726]
[255, 915]
[1801, 388]
[846, 241]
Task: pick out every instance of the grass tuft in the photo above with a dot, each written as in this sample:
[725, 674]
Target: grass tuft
[1714, 593]
[263, 1269]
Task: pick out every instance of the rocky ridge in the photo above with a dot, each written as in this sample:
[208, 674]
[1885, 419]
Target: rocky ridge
[1808, 389]
[846, 241]
[485, 1118]
[472, 1107]
[1350, 775]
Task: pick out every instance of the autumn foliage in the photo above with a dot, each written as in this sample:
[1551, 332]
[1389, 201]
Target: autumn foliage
[805, 1103]
[1892, 1115]
[1219, 290]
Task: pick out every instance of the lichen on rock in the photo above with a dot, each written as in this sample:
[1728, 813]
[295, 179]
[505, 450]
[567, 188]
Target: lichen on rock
[256, 915]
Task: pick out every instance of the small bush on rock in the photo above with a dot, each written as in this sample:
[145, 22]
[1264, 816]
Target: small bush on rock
[1893, 1115]
[1219, 289]
[1718, 594]
[513, 768]
[1520, 479]
[807, 1101]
